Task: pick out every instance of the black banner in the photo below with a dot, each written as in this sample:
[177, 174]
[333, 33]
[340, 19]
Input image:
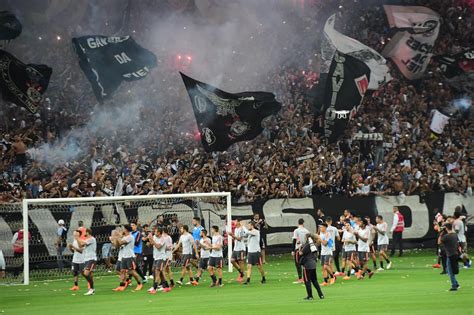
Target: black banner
[346, 84]
[458, 69]
[10, 26]
[225, 118]
[107, 61]
[22, 84]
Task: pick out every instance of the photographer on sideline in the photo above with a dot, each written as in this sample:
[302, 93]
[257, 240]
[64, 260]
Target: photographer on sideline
[450, 242]
[308, 253]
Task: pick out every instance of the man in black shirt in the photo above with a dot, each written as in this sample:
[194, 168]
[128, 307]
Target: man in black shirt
[450, 242]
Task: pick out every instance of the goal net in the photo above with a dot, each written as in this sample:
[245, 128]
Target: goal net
[29, 231]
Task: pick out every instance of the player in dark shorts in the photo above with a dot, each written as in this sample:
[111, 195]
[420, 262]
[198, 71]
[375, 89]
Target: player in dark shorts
[253, 255]
[216, 259]
[204, 243]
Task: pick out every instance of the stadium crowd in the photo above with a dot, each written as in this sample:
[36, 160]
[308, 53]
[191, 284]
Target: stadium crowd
[290, 158]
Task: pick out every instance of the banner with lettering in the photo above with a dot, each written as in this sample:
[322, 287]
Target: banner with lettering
[107, 61]
[411, 48]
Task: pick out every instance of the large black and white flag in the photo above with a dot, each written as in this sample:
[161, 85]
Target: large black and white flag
[458, 70]
[10, 26]
[334, 40]
[348, 80]
[226, 118]
[107, 61]
[23, 84]
[412, 46]
[438, 122]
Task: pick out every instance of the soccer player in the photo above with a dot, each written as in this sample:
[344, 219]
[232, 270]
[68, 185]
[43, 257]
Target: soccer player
[363, 235]
[349, 242]
[169, 256]
[238, 254]
[216, 259]
[254, 255]
[261, 226]
[186, 240]
[204, 243]
[334, 236]
[299, 236]
[197, 228]
[138, 249]
[128, 264]
[77, 259]
[458, 227]
[2, 265]
[382, 241]
[326, 255]
[371, 241]
[159, 257]
[89, 247]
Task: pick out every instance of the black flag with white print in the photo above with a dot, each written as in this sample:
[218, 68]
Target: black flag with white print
[225, 118]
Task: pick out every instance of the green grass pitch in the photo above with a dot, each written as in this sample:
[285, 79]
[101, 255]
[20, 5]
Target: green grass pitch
[411, 287]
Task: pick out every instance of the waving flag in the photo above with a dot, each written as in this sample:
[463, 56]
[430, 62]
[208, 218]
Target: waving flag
[225, 118]
[107, 61]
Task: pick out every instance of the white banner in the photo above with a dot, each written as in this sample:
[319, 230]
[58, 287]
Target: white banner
[412, 46]
[333, 40]
[438, 122]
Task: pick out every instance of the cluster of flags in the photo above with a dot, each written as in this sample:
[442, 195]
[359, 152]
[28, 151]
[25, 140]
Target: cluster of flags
[349, 69]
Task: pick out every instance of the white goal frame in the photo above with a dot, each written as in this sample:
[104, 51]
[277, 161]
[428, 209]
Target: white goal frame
[26, 202]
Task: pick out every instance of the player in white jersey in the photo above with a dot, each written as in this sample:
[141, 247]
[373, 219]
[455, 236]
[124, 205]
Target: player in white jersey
[332, 230]
[186, 241]
[2, 265]
[204, 245]
[216, 259]
[89, 247]
[382, 241]
[299, 237]
[326, 254]
[459, 228]
[77, 259]
[128, 264]
[254, 256]
[238, 254]
[159, 261]
[363, 235]
[169, 256]
[349, 242]
[371, 241]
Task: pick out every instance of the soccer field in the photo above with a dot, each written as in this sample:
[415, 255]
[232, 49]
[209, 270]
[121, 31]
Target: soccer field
[410, 287]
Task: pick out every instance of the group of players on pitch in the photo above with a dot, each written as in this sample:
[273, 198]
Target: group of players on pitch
[354, 238]
[199, 249]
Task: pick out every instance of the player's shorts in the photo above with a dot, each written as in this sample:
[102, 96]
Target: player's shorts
[238, 255]
[159, 264]
[128, 264]
[363, 256]
[187, 260]
[106, 250]
[348, 255]
[254, 258]
[217, 262]
[382, 247]
[75, 267]
[90, 265]
[326, 259]
[203, 263]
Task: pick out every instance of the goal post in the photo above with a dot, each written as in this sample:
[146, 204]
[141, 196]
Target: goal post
[40, 217]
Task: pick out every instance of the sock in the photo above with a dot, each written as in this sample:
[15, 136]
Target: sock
[331, 275]
[190, 279]
[248, 280]
[241, 274]
[197, 279]
[343, 269]
[172, 281]
[381, 264]
[375, 264]
[326, 279]
[387, 260]
[349, 273]
[181, 279]
[214, 279]
[155, 285]
[368, 270]
[138, 283]
[220, 281]
[122, 284]
[75, 283]
[263, 278]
